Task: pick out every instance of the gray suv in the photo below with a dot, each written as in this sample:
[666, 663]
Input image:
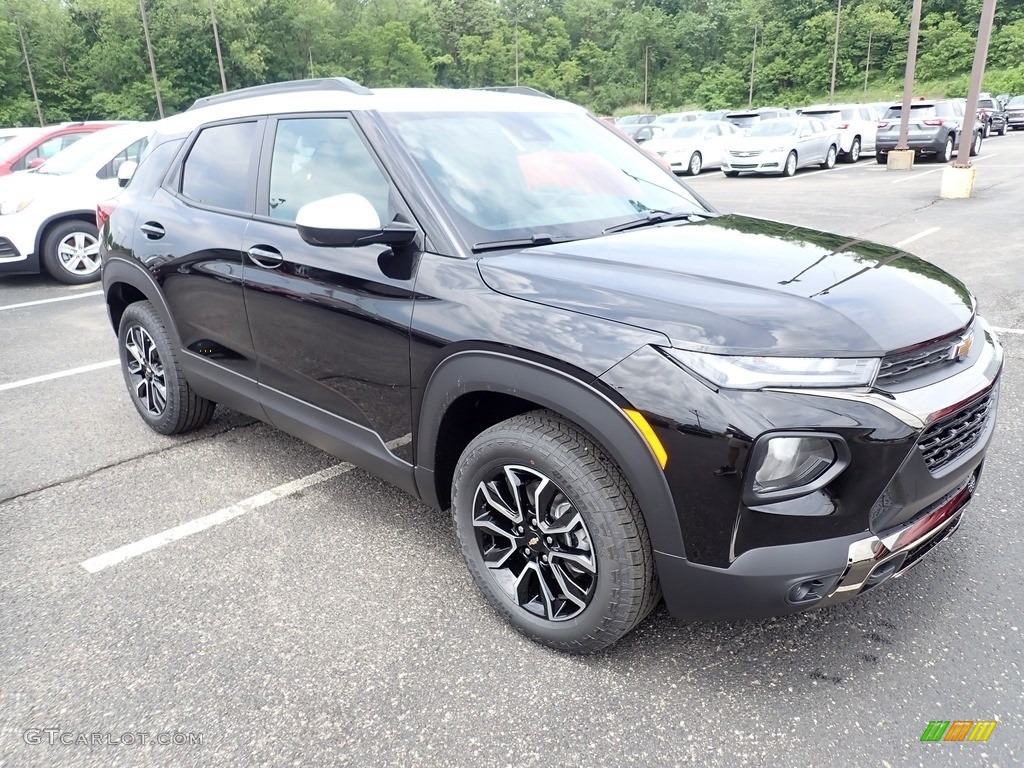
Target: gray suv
[934, 129]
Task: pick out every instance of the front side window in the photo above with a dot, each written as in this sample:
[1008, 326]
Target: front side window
[217, 169]
[318, 157]
[511, 175]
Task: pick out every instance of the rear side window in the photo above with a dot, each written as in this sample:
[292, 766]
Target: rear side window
[154, 166]
[218, 167]
[133, 152]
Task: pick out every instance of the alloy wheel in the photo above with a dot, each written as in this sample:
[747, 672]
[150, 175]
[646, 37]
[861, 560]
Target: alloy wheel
[145, 370]
[79, 253]
[535, 543]
[695, 164]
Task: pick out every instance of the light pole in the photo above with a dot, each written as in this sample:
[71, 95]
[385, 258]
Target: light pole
[753, 57]
[152, 60]
[647, 59]
[216, 40]
[867, 67]
[835, 54]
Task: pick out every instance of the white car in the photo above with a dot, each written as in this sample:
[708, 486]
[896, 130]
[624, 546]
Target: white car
[692, 147]
[856, 123]
[6, 134]
[48, 215]
[673, 118]
[781, 145]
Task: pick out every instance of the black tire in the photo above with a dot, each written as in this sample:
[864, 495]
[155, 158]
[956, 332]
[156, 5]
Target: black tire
[854, 154]
[731, 174]
[882, 158]
[987, 128]
[696, 164]
[789, 169]
[159, 391]
[71, 252]
[976, 145]
[497, 489]
[1002, 131]
[830, 158]
[947, 150]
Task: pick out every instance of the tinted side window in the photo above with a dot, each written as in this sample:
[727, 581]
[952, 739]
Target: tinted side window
[318, 157]
[153, 166]
[217, 169]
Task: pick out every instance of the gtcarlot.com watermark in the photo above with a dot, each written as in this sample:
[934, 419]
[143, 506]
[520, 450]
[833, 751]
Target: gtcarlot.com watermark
[54, 736]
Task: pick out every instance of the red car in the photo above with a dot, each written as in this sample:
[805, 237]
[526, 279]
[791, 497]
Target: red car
[34, 149]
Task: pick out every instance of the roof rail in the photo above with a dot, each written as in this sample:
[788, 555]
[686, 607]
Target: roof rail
[289, 86]
[523, 90]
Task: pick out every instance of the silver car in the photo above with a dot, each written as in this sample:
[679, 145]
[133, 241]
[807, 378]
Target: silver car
[781, 145]
[857, 125]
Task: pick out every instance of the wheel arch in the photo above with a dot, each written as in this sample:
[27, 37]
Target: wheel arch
[473, 390]
[59, 218]
[125, 283]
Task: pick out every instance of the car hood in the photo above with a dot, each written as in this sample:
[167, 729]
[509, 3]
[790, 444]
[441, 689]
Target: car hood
[739, 285]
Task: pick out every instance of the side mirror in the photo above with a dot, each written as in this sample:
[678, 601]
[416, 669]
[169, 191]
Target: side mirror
[348, 221]
[35, 162]
[125, 172]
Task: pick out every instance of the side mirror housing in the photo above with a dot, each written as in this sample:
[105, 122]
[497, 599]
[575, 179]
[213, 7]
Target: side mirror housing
[35, 162]
[125, 172]
[348, 221]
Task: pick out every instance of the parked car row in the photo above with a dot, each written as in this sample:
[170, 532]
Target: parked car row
[778, 140]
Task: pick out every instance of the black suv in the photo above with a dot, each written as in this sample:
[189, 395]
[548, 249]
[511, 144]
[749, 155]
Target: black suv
[499, 304]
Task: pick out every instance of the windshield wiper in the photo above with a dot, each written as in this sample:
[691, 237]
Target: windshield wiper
[522, 242]
[657, 217]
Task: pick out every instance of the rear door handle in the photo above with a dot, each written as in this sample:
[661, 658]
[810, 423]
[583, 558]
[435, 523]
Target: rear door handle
[265, 256]
[152, 230]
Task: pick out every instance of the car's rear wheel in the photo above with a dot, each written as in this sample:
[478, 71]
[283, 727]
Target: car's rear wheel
[987, 128]
[696, 164]
[71, 252]
[947, 150]
[1002, 131]
[882, 158]
[830, 158]
[976, 145]
[159, 391]
[854, 154]
[552, 534]
[790, 166]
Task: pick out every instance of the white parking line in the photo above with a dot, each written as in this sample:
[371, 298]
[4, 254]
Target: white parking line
[918, 236]
[1006, 330]
[59, 374]
[50, 301]
[148, 544]
[916, 176]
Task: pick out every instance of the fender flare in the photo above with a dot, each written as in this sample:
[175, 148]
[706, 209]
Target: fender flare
[118, 270]
[79, 214]
[578, 401]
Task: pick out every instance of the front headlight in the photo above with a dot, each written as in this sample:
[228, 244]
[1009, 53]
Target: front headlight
[743, 372]
[8, 207]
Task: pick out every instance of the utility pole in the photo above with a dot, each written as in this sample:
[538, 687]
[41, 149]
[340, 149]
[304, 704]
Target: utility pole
[753, 56]
[988, 12]
[517, 49]
[152, 61]
[28, 66]
[867, 67]
[216, 42]
[908, 77]
[647, 59]
[835, 54]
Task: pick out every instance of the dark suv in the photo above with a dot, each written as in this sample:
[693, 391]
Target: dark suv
[499, 304]
[934, 128]
[992, 116]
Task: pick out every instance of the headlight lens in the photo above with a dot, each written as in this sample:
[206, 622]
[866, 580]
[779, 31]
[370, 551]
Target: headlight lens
[8, 207]
[743, 372]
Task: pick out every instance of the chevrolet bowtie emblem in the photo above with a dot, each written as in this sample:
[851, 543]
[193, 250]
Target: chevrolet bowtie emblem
[962, 348]
[534, 541]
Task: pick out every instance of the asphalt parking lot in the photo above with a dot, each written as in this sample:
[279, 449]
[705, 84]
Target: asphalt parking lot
[332, 621]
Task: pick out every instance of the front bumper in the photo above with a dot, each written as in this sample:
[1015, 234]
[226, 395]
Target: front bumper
[757, 162]
[17, 244]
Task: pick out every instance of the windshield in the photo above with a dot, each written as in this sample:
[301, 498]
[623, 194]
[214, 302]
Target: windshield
[92, 151]
[1016, 101]
[517, 175]
[773, 128]
[18, 144]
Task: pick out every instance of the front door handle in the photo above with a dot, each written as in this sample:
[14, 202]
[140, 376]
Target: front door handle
[265, 256]
[152, 230]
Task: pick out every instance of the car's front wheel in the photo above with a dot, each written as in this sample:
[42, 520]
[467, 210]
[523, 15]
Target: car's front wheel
[159, 391]
[790, 166]
[552, 534]
[696, 164]
[71, 252]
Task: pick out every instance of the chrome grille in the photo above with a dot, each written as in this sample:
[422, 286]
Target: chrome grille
[747, 153]
[950, 438]
[901, 366]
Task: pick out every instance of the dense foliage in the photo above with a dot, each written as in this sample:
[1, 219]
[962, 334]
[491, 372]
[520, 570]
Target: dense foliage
[89, 58]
